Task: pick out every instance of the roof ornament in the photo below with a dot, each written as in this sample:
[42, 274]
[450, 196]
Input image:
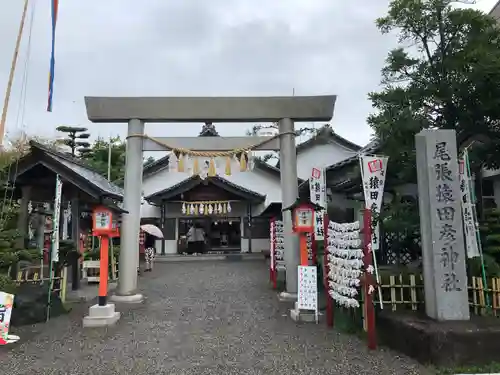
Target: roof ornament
[208, 130]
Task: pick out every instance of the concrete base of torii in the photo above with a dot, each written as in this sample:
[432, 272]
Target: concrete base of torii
[303, 316]
[287, 297]
[101, 316]
[133, 298]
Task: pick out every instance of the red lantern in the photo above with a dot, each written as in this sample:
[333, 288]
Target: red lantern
[303, 218]
[102, 222]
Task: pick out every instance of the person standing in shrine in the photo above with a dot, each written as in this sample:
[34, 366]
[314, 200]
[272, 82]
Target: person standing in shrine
[149, 252]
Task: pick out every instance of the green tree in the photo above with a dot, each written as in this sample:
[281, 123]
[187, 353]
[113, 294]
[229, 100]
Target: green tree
[75, 139]
[12, 249]
[490, 240]
[98, 155]
[258, 129]
[444, 75]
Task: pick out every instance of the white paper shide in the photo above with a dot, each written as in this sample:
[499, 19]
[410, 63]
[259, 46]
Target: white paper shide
[317, 191]
[309, 242]
[277, 245]
[345, 262]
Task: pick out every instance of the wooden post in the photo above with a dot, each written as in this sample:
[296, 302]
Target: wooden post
[368, 280]
[249, 226]
[326, 270]
[103, 274]
[162, 226]
[64, 284]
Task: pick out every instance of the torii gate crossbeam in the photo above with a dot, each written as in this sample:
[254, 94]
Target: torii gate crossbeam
[136, 111]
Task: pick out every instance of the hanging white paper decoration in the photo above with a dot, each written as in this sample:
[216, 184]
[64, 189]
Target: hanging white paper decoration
[279, 244]
[205, 207]
[68, 211]
[345, 262]
[172, 162]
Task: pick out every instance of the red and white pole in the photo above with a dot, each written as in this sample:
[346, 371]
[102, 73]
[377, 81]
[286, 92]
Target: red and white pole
[369, 287]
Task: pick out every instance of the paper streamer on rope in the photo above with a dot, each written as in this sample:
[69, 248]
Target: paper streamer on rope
[278, 244]
[210, 166]
[54, 12]
[6, 305]
[206, 208]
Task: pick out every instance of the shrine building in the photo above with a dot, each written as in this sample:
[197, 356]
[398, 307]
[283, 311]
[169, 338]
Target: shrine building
[233, 210]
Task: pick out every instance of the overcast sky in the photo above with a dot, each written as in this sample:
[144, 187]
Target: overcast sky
[195, 48]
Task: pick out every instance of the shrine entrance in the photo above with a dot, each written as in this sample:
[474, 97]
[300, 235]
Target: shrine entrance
[281, 111]
[221, 234]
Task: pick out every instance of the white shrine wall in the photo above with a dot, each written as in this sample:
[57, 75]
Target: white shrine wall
[321, 156]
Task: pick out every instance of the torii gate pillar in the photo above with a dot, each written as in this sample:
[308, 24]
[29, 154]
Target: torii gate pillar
[137, 111]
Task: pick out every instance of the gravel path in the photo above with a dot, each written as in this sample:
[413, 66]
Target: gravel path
[200, 318]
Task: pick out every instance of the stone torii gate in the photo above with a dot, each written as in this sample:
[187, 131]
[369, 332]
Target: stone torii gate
[138, 111]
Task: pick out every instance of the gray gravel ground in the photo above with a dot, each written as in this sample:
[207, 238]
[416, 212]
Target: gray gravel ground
[199, 318]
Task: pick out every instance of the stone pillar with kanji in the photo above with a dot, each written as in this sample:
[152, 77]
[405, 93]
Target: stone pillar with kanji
[441, 226]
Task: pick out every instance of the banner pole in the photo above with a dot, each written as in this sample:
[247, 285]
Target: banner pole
[368, 282]
[473, 198]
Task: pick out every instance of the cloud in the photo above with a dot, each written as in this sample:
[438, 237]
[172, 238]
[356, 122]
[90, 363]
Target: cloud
[192, 47]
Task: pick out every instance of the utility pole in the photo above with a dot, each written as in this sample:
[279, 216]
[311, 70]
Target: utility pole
[12, 72]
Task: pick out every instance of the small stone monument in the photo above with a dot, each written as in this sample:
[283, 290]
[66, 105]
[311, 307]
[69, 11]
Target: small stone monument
[441, 227]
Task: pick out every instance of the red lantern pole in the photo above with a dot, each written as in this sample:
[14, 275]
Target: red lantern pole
[314, 248]
[368, 279]
[304, 258]
[326, 271]
[103, 275]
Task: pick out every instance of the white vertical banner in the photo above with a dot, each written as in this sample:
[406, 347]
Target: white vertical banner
[373, 170]
[471, 244]
[317, 193]
[55, 220]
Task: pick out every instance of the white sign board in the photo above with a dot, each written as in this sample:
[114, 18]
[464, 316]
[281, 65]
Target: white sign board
[55, 220]
[6, 305]
[308, 289]
[373, 171]
[317, 193]
[470, 232]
